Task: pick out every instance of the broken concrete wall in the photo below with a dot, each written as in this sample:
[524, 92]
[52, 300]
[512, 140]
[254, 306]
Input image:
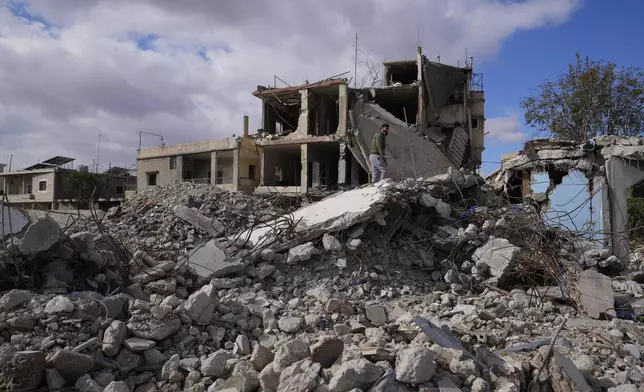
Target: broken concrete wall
[613, 164]
[440, 82]
[405, 149]
[621, 175]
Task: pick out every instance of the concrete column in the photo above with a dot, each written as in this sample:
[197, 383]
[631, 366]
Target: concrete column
[303, 120]
[236, 169]
[213, 167]
[304, 177]
[315, 174]
[342, 164]
[177, 175]
[421, 116]
[355, 171]
[265, 116]
[343, 109]
[262, 167]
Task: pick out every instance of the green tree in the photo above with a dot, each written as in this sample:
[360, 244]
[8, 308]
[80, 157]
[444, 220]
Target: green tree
[592, 98]
[81, 185]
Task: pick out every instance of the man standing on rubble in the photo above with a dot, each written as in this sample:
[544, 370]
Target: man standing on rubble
[377, 154]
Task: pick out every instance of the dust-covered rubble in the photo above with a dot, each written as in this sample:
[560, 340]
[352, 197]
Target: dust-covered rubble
[400, 294]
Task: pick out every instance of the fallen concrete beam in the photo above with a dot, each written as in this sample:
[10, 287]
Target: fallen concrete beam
[335, 213]
[191, 215]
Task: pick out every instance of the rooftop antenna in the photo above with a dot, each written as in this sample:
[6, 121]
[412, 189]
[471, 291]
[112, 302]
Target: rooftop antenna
[466, 57]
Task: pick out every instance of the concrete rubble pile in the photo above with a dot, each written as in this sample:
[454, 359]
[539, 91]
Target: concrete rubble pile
[159, 219]
[408, 286]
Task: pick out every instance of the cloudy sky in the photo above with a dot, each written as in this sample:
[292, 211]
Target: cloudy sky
[73, 69]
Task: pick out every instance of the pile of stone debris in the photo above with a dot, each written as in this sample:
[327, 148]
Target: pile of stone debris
[411, 286]
[153, 221]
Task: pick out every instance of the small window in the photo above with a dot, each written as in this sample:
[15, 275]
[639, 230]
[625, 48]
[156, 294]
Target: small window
[475, 123]
[251, 172]
[42, 186]
[30, 188]
[119, 189]
[152, 179]
[173, 163]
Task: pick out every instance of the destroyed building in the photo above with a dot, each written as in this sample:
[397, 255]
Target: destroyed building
[188, 287]
[611, 165]
[319, 134]
[230, 163]
[44, 185]
[316, 136]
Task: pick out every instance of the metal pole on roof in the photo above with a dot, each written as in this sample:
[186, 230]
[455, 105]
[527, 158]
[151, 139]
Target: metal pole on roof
[355, 65]
[10, 160]
[98, 152]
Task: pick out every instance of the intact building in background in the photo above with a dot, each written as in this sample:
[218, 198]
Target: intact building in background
[230, 163]
[44, 185]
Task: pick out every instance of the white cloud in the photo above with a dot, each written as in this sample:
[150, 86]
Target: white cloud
[506, 129]
[73, 69]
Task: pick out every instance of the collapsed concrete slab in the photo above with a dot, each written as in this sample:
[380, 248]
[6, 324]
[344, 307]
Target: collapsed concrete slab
[209, 260]
[335, 213]
[596, 294]
[402, 144]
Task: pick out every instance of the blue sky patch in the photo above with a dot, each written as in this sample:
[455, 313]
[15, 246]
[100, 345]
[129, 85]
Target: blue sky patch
[220, 47]
[144, 41]
[21, 10]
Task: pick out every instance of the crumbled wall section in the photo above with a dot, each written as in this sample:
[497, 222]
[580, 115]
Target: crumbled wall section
[616, 161]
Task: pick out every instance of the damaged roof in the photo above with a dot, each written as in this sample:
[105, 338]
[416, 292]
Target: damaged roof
[261, 92]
